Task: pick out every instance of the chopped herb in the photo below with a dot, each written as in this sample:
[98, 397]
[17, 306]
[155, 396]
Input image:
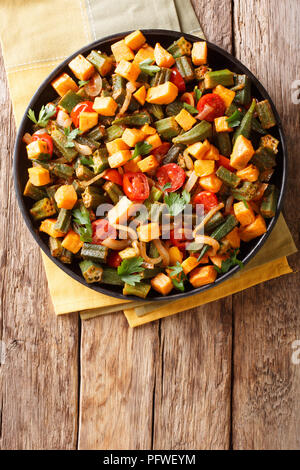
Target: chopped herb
[45, 114]
[235, 119]
[81, 83]
[141, 148]
[177, 203]
[83, 224]
[177, 276]
[229, 263]
[147, 67]
[129, 268]
[190, 108]
[167, 186]
[198, 94]
[245, 203]
[71, 135]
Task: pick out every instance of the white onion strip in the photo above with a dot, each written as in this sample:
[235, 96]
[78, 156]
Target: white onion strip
[191, 182]
[63, 119]
[207, 218]
[228, 204]
[132, 233]
[94, 87]
[83, 149]
[162, 250]
[115, 244]
[205, 240]
[146, 257]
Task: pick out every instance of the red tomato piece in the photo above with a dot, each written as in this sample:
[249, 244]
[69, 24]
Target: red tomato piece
[83, 106]
[136, 186]
[102, 230]
[171, 173]
[225, 162]
[114, 259]
[177, 79]
[210, 107]
[161, 151]
[113, 176]
[178, 239]
[46, 138]
[208, 199]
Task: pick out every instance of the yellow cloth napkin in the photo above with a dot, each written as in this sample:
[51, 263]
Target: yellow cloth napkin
[54, 30]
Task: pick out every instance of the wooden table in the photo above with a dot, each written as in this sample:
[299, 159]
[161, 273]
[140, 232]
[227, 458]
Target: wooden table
[217, 377]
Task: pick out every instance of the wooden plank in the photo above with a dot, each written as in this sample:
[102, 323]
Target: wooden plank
[266, 394]
[192, 399]
[117, 383]
[38, 381]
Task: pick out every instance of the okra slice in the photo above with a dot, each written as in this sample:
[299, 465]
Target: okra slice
[218, 77]
[140, 290]
[200, 131]
[33, 192]
[246, 192]
[185, 68]
[264, 158]
[43, 209]
[265, 114]
[228, 177]
[60, 141]
[69, 101]
[245, 126]
[174, 108]
[92, 198]
[63, 220]
[173, 154]
[156, 110]
[113, 191]
[96, 253]
[56, 247]
[167, 127]
[180, 47]
[110, 276]
[220, 232]
[92, 272]
[137, 119]
[243, 95]
[114, 132]
[224, 143]
[269, 202]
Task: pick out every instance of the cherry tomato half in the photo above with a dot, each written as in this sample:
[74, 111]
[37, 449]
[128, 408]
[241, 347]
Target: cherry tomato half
[102, 230]
[178, 239]
[136, 186]
[161, 151]
[46, 138]
[83, 106]
[113, 176]
[210, 107]
[208, 199]
[177, 79]
[114, 259]
[171, 173]
[225, 162]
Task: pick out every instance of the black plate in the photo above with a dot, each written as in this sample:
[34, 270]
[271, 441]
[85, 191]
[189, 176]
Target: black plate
[218, 59]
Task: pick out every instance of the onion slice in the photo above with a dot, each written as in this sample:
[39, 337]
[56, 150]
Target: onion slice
[130, 88]
[131, 233]
[63, 119]
[113, 244]
[205, 112]
[83, 149]
[228, 204]
[94, 87]
[162, 250]
[192, 180]
[146, 257]
[205, 240]
[207, 218]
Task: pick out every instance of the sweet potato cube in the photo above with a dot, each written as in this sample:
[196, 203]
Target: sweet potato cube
[140, 95]
[148, 164]
[148, 232]
[204, 167]
[121, 51]
[199, 53]
[120, 212]
[217, 260]
[36, 148]
[222, 125]
[199, 149]
[250, 173]
[185, 119]
[162, 57]
[82, 68]
[154, 140]
[135, 40]
[72, 242]
[47, 226]
[189, 264]
[133, 136]
[148, 130]
[105, 105]
[212, 154]
[65, 196]
[202, 276]
[175, 255]
[116, 145]
[64, 83]
[119, 158]
[257, 228]
[132, 165]
[128, 70]
[211, 183]
[162, 94]
[243, 213]
[162, 284]
[87, 120]
[224, 93]
[242, 152]
[39, 176]
[144, 53]
[233, 238]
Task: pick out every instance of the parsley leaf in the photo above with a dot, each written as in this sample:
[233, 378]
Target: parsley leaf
[129, 268]
[235, 119]
[198, 94]
[177, 203]
[83, 224]
[45, 114]
[190, 108]
[71, 135]
[177, 276]
[229, 263]
[147, 67]
[167, 186]
[141, 148]
[81, 83]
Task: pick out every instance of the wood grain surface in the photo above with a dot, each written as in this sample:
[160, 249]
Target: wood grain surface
[216, 377]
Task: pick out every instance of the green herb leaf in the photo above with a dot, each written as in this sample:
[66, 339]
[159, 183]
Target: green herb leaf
[245, 203]
[71, 135]
[129, 268]
[167, 186]
[198, 94]
[190, 108]
[81, 83]
[177, 276]
[83, 224]
[45, 114]
[141, 148]
[235, 119]
[229, 263]
[177, 203]
[147, 67]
